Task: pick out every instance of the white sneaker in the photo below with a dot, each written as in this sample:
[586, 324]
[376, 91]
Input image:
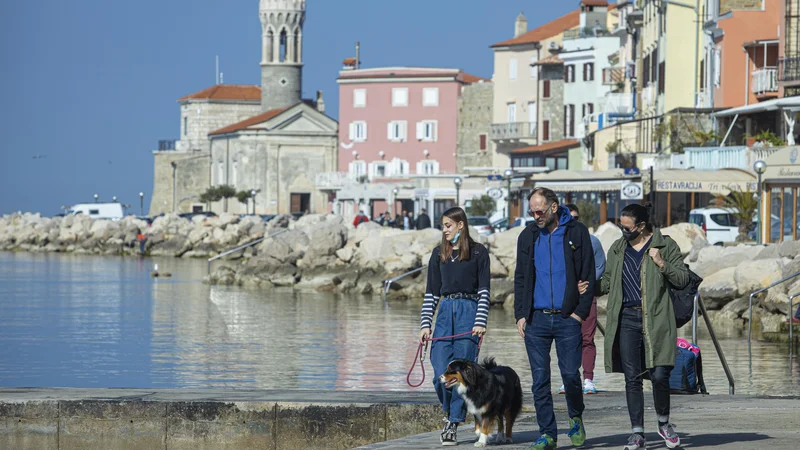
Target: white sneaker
[589, 387]
[561, 390]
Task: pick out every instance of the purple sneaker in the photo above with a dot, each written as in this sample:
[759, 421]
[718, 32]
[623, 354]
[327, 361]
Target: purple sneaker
[670, 436]
[635, 442]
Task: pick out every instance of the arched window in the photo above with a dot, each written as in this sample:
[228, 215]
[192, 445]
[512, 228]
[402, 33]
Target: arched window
[284, 46]
[270, 46]
[296, 47]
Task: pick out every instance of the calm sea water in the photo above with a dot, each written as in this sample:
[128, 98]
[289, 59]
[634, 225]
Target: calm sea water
[90, 321]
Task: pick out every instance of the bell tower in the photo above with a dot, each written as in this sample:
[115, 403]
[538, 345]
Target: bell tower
[281, 52]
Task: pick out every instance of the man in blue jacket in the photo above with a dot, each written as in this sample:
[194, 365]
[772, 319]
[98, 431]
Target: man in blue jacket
[553, 255]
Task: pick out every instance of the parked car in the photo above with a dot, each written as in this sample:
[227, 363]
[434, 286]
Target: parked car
[110, 211]
[191, 215]
[481, 223]
[500, 225]
[719, 224]
[522, 221]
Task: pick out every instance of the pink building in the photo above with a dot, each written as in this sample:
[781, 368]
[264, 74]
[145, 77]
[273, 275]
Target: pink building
[398, 121]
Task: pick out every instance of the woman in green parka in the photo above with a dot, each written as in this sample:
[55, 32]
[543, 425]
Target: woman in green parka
[640, 323]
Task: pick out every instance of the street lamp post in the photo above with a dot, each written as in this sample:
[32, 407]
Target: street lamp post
[96, 197]
[508, 174]
[457, 182]
[114, 199]
[253, 194]
[759, 167]
[395, 191]
[141, 203]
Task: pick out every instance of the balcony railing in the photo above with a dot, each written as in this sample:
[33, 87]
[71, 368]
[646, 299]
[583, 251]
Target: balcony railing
[619, 103]
[586, 32]
[166, 145]
[613, 75]
[765, 81]
[515, 130]
[789, 69]
[712, 158]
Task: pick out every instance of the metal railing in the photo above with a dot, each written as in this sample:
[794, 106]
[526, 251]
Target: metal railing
[765, 80]
[242, 247]
[750, 314]
[585, 32]
[166, 145]
[387, 284]
[700, 307]
[789, 68]
[513, 130]
[791, 323]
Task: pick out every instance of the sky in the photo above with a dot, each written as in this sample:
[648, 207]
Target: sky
[89, 87]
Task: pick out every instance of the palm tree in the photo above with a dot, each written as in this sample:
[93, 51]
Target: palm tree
[743, 206]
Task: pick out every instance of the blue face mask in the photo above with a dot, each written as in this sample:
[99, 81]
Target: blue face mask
[455, 239]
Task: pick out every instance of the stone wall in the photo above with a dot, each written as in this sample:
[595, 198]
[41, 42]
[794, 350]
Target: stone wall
[281, 85]
[201, 117]
[192, 179]
[553, 107]
[474, 119]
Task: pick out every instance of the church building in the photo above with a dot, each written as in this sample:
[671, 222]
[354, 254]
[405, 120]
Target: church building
[264, 138]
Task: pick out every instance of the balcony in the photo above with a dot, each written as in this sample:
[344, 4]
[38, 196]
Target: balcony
[166, 145]
[613, 75]
[712, 158]
[586, 32]
[789, 70]
[514, 130]
[765, 81]
[619, 103]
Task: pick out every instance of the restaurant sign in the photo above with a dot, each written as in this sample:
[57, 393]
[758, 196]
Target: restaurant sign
[710, 187]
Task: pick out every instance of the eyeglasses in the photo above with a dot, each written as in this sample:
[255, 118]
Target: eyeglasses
[538, 214]
[626, 230]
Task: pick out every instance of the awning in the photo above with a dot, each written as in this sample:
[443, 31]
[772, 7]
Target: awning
[783, 166]
[789, 103]
[718, 182]
[583, 180]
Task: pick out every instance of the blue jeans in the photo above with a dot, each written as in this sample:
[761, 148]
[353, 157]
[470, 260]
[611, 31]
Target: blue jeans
[539, 337]
[454, 317]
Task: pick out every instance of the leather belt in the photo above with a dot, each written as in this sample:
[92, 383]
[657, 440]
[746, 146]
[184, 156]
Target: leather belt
[550, 311]
[461, 296]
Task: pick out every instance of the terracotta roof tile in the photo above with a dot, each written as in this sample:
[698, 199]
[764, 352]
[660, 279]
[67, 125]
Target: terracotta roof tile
[564, 144]
[469, 79]
[227, 92]
[263, 117]
[552, 60]
[594, 2]
[566, 22]
[349, 62]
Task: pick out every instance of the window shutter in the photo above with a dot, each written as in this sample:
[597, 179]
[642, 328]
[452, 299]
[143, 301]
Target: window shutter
[403, 130]
[545, 130]
[364, 124]
[483, 142]
[434, 130]
[352, 131]
[390, 131]
[546, 88]
[420, 131]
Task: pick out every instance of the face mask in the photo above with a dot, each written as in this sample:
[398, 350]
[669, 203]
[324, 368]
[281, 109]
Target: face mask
[455, 239]
[631, 235]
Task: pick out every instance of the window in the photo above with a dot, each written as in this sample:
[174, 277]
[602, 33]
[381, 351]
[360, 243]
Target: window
[430, 97]
[546, 89]
[723, 220]
[399, 167]
[717, 62]
[482, 139]
[426, 130]
[512, 69]
[702, 75]
[185, 125]
[654, 65]
[94, 212]
[588, 109]
[357, 169]
[588, 72]
[512, 112]
[662, 77]
[360, 98]
[427, 168]
[378, 170]
[397, 131]
[358, 131]
[646, 70]
[545, 130]
[569, 73]
[400, 97]
[569, 120]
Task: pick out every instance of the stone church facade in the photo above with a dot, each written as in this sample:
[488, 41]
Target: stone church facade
[255, 138]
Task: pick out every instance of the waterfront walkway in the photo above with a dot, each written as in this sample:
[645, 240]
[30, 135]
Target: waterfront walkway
[710, 422]
[200, 419]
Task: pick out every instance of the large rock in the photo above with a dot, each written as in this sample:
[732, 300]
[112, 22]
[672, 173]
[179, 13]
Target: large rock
[684, 234]
[283, 246]
[771, 323]
[713, 258]
[776, 302]
[770, 251]
[719, 288]
[608, 233]
[753, 275]
[498, 270]
[790, 249]
[326, 237]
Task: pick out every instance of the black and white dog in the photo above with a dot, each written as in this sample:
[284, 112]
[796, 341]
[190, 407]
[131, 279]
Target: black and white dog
[492, 393]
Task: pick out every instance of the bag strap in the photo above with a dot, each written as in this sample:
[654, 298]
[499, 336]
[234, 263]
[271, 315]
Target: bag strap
[698, 368]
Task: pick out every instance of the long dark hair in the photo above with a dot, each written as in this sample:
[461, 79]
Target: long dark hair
[464, 243]
[639, 214]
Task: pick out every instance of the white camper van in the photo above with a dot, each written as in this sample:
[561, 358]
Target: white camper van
[111, 211]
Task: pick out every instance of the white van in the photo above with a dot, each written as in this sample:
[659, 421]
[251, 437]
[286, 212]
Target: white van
[719, 224]
[111, 211]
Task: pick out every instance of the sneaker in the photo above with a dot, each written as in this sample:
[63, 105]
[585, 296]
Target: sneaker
[589, 387]
[544, 443]
[448, 436]
[561, 390]
[577, 434]
[670, 436]
[635, 442]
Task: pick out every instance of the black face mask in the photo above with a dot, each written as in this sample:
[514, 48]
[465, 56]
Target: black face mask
[631, 235]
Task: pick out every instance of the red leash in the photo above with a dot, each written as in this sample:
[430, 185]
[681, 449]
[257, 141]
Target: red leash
[420, 356]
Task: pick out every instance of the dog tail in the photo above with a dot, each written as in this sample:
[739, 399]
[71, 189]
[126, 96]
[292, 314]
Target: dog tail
[488, 363]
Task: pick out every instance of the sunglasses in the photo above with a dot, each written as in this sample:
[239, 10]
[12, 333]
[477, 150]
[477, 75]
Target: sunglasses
[538, 214]
[626, 230]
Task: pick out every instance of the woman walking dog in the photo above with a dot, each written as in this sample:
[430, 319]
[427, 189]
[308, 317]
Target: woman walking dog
[640, 323]
[458, 282]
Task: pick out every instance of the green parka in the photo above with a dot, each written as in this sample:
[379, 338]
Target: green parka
[660, 333]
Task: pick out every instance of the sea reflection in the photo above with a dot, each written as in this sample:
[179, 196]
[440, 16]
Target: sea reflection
[88, 321]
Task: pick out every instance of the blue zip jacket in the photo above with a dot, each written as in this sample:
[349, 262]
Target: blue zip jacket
[550, 265]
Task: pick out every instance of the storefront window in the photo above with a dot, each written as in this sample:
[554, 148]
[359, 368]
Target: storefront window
[775, 214]
[788, 214]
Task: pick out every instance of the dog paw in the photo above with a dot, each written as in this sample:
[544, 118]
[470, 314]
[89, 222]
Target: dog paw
[478, 432]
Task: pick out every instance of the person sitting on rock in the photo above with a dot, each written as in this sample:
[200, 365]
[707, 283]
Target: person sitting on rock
[458, 274]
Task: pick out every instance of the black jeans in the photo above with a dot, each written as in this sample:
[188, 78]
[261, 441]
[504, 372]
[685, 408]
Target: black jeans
[631, 347]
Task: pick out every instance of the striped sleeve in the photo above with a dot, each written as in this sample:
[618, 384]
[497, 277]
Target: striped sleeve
[484, 275]
[432, 291]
